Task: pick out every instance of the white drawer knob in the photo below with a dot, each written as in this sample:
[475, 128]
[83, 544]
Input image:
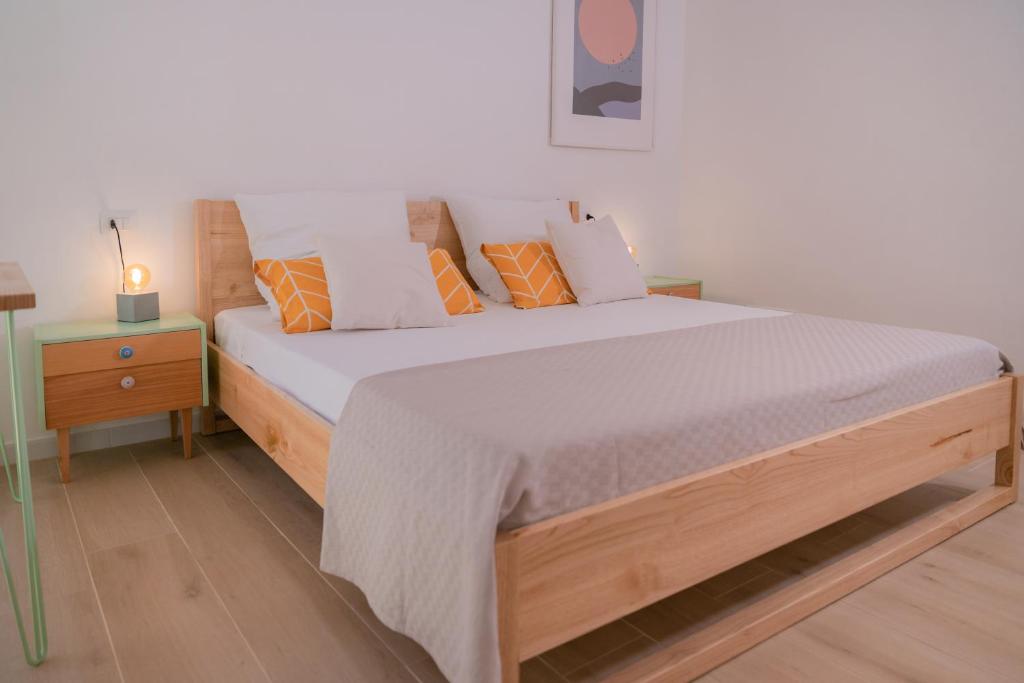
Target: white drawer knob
[127, 382]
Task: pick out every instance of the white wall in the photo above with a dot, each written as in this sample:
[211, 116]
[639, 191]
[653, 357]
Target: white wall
[859, 158]
[149, 105]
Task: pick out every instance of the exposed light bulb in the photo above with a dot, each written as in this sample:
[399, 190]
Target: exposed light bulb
[136, 277]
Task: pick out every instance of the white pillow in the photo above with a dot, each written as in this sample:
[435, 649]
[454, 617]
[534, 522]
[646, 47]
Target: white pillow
[285, 225]
[380, 284]
[479, 220]
[596, 261]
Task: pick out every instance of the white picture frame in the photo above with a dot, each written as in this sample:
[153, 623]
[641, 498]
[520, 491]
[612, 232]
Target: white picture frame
[600, 130]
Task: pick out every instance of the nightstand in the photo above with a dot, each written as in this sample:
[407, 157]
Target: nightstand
[674, 286]
[106, 370]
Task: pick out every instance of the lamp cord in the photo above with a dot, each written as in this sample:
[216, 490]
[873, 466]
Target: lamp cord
[113, 226]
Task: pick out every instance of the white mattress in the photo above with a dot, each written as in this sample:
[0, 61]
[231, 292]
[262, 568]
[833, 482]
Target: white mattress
[320, 368]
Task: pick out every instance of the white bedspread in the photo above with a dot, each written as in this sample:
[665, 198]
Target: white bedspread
[320, 369]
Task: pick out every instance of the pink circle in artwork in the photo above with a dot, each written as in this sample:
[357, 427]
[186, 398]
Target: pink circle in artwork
[608, 29]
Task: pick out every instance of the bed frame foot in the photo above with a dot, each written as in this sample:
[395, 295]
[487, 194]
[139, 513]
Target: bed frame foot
[208, 418]
[214, 423]
[1008, 459]
[506, 563]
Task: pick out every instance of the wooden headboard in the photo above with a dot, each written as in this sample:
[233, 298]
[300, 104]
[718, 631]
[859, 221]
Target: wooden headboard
[224, 277]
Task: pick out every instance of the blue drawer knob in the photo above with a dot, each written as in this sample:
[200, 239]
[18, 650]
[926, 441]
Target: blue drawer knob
[126, 352]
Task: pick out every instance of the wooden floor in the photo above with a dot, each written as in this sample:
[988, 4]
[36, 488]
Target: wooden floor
[160, 569]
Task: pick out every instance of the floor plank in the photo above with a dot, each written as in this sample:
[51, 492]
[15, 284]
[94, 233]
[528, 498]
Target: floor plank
[612, 660]
[698, 611]
[112, 503]
[785, 658]
[972, 628]
[79, 647]
[301, 520]
[536, 671]
[300, 629]
[165, 621]
[567, 658]
[852, 639]
[722, 584]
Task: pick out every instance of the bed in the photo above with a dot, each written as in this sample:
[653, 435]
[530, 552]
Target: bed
[559, 573]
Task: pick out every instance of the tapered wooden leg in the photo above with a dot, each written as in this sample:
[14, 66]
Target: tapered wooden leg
[186, 431]
[174, 425]
[64, 454]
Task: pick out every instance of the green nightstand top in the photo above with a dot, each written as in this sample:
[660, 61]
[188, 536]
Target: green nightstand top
[53, 333]
[656, 281]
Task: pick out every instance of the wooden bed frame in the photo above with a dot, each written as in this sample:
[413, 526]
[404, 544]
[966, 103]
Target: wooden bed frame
[568, 575]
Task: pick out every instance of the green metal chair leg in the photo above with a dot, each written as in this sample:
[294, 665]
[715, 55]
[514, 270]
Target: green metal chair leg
[7, 468]
[35, 652]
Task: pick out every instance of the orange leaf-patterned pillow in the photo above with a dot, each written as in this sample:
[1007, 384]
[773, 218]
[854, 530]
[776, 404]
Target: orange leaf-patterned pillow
[531, 273]
[300, 288]
[456, 293]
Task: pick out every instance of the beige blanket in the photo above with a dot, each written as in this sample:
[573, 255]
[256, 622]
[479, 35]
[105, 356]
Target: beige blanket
[426, 463]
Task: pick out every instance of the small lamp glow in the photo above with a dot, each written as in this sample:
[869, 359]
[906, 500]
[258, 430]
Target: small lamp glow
[136, 305]
[136, 277]
[133, 304]
[632, 251]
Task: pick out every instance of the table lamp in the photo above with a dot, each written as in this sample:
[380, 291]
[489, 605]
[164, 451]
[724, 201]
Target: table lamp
[135, 305]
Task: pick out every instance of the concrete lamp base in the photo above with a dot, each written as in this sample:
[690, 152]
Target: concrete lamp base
[135, 308]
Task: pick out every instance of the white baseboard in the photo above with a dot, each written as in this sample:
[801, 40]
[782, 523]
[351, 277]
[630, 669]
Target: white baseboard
[93, 437]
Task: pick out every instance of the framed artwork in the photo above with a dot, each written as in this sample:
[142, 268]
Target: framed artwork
[602, 80]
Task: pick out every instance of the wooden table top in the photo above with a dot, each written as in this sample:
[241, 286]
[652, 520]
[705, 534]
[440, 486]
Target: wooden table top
[15, 291]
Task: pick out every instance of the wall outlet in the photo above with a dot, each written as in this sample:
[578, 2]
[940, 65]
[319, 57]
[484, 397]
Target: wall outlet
[121, 218]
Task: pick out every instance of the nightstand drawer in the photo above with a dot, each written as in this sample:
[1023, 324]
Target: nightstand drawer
[71, 358]
[97, 396]
[685, 291]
